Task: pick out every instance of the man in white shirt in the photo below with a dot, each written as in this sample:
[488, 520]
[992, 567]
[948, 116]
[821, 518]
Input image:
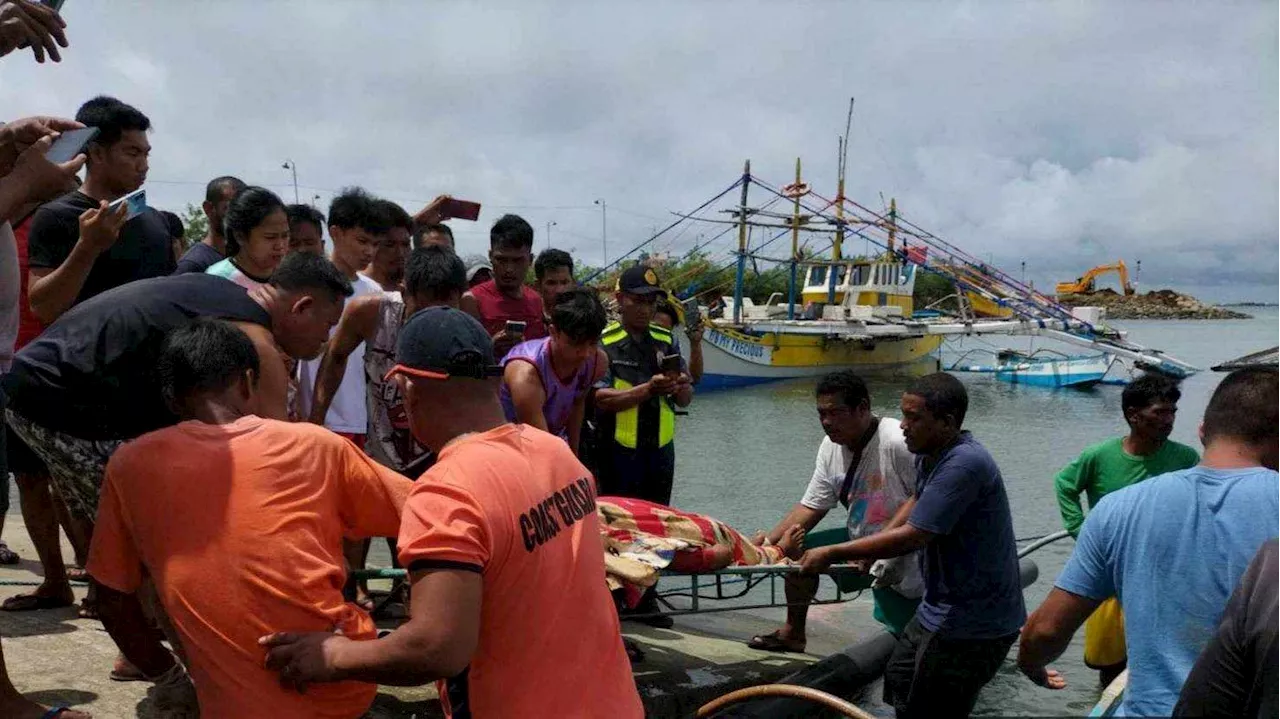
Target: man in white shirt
[863, 465]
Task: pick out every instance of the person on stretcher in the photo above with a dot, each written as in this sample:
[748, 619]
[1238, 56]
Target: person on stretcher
[641, 538]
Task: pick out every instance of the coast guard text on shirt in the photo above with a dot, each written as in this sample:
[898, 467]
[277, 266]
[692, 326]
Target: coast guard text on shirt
[538, 525]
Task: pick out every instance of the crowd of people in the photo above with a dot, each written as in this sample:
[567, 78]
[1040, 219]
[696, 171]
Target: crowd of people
[222, 431]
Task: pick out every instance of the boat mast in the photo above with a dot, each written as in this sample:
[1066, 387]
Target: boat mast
[836, 249]
[893, 221]
[742, 244]
[795, 247]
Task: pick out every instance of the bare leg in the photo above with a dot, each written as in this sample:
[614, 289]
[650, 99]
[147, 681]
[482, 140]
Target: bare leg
[799, 590]
[15, 706]
[40, 513]
[356, 551]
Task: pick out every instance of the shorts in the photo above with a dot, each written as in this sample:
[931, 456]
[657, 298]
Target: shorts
[893, 610]
[934, 677]
[77, 466]
[356, 439]
[1104, 646]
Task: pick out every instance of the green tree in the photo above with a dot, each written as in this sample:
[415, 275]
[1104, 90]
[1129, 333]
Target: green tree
[931, 287]
[196, 225]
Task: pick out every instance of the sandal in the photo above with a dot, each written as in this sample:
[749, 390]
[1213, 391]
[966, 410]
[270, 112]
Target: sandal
[57, 712]
[34, 602]
[77, 574]
[88, 609]
[8, 556]
[773, 642]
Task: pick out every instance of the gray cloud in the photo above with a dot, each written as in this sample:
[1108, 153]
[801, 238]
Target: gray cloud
[1060, 134]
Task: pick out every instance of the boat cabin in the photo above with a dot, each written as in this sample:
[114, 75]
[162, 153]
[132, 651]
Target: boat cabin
[865, 282]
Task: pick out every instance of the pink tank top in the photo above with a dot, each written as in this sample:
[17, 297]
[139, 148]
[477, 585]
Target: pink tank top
[560, 396]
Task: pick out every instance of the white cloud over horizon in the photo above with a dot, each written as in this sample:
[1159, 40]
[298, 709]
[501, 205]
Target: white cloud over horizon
[1059, 134]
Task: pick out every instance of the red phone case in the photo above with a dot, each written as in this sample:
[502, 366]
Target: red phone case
[462, 210]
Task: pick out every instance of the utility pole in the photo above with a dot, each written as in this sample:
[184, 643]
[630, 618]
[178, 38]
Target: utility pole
[549, 226]
[604, 232]
[288, 165]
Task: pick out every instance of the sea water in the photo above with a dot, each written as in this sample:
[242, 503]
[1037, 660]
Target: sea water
[745, 456]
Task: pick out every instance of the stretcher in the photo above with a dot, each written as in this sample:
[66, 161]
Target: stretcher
[724, 585]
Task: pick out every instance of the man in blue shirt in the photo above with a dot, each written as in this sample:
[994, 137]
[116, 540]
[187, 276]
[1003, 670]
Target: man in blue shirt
[972, 606]
[1171, 549]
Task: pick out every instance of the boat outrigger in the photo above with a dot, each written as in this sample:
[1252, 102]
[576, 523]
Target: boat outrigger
[859, 313]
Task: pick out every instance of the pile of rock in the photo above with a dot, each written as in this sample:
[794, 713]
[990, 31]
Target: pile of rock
[1157, 305]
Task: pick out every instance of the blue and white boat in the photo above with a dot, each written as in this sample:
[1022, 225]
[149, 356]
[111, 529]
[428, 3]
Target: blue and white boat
[1045, 368]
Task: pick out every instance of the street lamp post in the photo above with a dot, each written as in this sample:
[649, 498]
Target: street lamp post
[604, 232]
[549, 226]
[288, 165]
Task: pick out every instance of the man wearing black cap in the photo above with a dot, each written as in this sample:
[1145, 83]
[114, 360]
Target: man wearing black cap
[635, 403]
[503, 551]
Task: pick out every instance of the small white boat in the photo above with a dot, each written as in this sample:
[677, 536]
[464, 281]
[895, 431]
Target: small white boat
[1045, 368]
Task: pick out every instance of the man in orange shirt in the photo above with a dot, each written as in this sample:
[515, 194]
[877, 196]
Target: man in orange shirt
[239, 522]
[504, 552]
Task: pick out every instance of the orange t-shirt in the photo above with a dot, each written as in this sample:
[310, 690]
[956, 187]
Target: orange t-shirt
[240, 526]
[515, 505]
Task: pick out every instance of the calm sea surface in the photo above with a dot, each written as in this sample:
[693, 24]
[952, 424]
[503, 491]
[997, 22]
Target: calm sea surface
[745, 457]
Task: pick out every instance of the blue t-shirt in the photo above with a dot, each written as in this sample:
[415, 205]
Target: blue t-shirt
[1172, 549]
[972, 588]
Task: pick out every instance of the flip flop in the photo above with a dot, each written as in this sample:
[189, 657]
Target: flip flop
[55, 712]
[77, 574]
[33, 602]
[772, 642]
[88, 610]
[8, 556]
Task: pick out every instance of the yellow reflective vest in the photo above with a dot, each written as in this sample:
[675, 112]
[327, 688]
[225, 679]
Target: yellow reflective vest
[632, 362]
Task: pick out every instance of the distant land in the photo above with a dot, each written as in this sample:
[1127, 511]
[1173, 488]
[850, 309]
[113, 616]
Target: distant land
[1250, 304]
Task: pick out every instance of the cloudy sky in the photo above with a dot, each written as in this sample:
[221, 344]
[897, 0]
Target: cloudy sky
[1062, 135]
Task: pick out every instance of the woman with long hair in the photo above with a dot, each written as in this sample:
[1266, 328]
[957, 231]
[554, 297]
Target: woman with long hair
[257, 231]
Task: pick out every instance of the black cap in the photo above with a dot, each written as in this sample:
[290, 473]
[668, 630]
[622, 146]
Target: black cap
[442, 342]
[640, 280]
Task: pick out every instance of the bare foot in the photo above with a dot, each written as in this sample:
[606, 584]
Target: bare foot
[792, 542]
[23, 708]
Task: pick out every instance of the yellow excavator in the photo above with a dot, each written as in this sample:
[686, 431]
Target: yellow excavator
[1085, 284]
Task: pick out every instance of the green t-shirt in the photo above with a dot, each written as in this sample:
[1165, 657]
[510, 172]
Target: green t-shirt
[1106, 467]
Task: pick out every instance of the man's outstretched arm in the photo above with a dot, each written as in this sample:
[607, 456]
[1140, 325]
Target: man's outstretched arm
[1047, 633]
[437, 642]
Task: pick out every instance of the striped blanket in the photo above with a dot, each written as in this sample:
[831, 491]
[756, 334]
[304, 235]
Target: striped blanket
[641, 538]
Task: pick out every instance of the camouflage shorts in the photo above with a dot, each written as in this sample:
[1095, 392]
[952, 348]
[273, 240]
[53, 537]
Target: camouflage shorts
[76, 465]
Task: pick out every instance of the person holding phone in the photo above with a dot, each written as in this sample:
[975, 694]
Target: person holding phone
[79, 245]
[545, 382]
[506, 298]
[668, 317]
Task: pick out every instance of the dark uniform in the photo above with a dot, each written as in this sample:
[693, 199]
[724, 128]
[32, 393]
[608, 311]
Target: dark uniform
[635, 451]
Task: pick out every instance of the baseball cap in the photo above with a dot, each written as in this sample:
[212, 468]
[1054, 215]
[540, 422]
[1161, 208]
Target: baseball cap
[441, 343]
[472, 270]
[640, 280]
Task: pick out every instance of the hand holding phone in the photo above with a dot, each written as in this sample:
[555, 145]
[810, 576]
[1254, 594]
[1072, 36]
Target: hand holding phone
[136, 202]
[672, 364]
[100, 226]
[515, 329]
[460, 209]
[69, 144]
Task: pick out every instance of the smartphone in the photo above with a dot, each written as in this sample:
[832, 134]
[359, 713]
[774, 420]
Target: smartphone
[692, 315]
[136, 200]
[69, 144]
[515, 328]
[671, 363]
[54, 5]
[461, 210]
